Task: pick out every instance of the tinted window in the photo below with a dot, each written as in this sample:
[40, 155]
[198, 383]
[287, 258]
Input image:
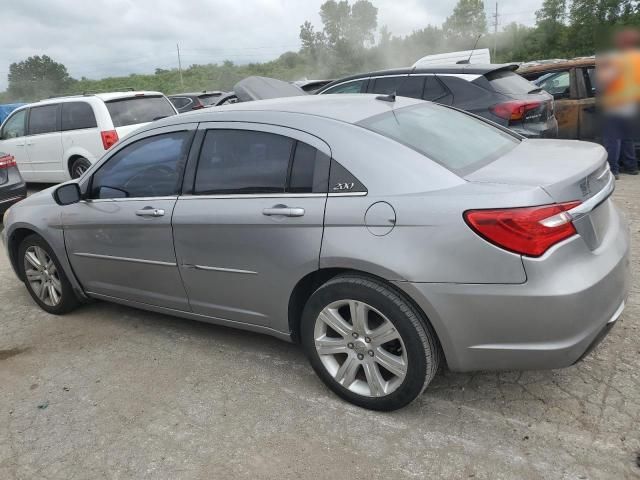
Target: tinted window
[151, 167]
[350, 87]
[180, 102]
[77, 115]
[310, 170]
[209, 98]
[243, 161]
[435, 91]
[590, 81]
[436, 132]
[43, 119]
[130, 111]
[14, 126]
[558, 84]
[405, 85]
[506, 81]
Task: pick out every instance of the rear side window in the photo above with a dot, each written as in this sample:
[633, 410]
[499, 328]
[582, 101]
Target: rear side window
[43, 119]
[246, 162]
[407, 86]
[14, 126]
[77, 115]
[435, 91]
[349, 87]
[506, 81]
[133, 110]
[180, 102]
[455, 140]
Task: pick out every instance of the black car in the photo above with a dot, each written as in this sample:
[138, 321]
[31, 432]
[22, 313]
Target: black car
[12, 186]
[185, 102]
[494, 92]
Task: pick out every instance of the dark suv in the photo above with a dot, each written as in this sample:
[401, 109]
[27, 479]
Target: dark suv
[494, 92]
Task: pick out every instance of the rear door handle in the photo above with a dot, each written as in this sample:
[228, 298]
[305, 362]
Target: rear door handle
[283, 211]
[150, 212]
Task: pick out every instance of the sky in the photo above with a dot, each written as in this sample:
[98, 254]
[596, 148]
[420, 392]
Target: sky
[98, 38]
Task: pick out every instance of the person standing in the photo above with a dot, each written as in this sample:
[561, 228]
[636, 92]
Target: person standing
[619, 81]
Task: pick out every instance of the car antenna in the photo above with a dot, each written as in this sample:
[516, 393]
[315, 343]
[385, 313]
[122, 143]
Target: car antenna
[391, 97]
[468, 60]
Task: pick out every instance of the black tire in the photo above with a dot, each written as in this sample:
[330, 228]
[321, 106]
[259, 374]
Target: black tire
[68, 299]
[420, 341]
[79, 166]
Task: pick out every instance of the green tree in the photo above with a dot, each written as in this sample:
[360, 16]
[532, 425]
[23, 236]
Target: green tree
[37, 76]
[466, 23]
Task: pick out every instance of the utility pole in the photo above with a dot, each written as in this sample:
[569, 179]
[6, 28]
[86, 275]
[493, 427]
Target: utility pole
[180, 66]
[495, 32]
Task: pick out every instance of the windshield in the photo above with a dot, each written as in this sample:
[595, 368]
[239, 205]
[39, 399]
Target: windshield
[455, 140]
[133, 110]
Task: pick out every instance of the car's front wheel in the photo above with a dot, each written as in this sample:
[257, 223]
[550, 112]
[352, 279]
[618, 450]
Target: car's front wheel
[44, 277]
[367, 343]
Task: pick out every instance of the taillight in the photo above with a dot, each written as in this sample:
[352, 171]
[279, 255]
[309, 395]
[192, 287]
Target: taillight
[7, 161]
[197, 107]
[109, 138]
[529, 231]
[514, 110]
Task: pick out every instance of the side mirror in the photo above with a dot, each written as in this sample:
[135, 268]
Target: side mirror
[67, 194]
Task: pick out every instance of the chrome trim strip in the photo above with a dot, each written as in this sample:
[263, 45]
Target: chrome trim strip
[6, 200]
[125, 259]
[127, 199]
[349, 194]
[614, 318]
[467, 76]
[254, 195]
[591, 203]
[219, 269]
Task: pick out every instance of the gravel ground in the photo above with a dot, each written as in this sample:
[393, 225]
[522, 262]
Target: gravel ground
[113, 392]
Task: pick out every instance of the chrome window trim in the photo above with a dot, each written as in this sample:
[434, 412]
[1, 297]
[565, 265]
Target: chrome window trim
[128, 199]
[271, 195]
[11, 199]
[125, 259]
[465, 76]
[219, 269]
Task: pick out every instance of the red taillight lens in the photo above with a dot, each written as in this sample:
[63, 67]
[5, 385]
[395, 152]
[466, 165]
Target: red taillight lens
[7, 161]
[514, 110]
[528, 231]
[109, 138]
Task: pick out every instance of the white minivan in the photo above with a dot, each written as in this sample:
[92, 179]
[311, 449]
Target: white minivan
[57, 139]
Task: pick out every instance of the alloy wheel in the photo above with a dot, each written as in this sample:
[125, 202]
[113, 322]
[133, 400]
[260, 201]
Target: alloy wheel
[42, 275]
[360, 348]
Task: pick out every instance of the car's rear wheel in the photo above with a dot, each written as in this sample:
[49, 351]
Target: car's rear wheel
[79, 166]
[367, 343]
[44, 278]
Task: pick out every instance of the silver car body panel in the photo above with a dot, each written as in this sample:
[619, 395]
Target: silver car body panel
[216, 258]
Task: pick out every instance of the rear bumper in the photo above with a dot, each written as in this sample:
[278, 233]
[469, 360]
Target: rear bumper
[10, 194]
[570, 300]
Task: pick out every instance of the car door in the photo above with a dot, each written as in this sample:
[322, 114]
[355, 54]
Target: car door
[44, 144]
[251, 226]
[561, 85]
[13, 140]
[588, 124]
[119, 239]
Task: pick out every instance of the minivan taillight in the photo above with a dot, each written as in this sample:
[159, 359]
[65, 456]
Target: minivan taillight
[109, 138]
[529, 231]
[7, 161]
[514, 110]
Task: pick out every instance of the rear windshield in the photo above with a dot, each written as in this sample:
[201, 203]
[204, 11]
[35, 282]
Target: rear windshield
[129, 111]
[455, 140]
[506, 81]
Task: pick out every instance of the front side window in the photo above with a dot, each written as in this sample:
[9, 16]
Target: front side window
[436, 132]
[142, 109]
[151, 167]
[77, 115]
[350, 87]
[14, 126]
[43, 119]
[558, 84]
[251, 162]
[180, 102]
[590, 81]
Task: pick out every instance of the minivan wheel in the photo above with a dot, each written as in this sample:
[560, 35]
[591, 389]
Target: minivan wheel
[79, 166]
[367, 343]
[44, 278]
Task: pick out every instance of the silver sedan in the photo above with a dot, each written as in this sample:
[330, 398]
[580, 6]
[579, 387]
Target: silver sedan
[385, 235]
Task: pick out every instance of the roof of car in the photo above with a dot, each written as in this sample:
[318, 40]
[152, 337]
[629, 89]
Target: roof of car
[466, 68]
[105, 97]
[350, 108]
[557, 65]
[197, 94]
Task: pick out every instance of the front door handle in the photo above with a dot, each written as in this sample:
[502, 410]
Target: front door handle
[150, 212]
[284, 211]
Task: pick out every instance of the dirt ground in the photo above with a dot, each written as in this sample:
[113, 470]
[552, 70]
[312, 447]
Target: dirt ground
[113, 392]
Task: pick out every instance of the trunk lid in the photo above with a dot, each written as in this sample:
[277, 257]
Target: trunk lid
[567, 171]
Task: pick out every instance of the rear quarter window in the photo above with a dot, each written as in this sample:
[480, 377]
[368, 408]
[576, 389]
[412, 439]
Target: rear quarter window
[143, 109]
[455, 140]
[77, 115]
